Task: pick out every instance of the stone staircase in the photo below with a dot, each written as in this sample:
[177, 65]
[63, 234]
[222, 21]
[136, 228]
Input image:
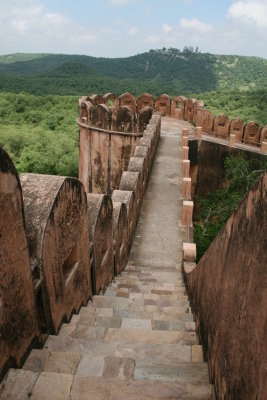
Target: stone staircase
[136, 341]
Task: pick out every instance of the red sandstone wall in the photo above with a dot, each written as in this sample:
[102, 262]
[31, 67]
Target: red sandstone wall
[228, 296]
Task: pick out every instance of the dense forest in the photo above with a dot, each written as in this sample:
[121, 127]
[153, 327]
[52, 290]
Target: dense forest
[157, 71]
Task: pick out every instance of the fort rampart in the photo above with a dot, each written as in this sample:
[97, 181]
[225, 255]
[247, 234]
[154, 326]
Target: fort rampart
[129, 114]
[62, 242]
[63, 239]
[227, 287]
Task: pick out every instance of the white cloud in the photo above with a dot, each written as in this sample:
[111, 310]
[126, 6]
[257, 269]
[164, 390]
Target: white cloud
[132, 31]
[195, 25]
[120, 2]
[250, 11]
[166, 28]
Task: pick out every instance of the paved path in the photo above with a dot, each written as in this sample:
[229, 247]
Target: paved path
[137, 341]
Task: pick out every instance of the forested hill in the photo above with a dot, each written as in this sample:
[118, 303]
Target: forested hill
[157, 71]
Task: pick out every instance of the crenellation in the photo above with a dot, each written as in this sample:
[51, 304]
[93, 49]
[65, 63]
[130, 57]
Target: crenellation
[100, 230]
[145, 100]
[252, 134]
[96, 99]
[128, 100]
[163, 105]
[237, 129]
[221, 126]
[120, 236]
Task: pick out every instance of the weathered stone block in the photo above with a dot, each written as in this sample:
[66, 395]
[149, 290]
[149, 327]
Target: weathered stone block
[186, 188]
[187, 213]
[57, 232]
[189, 251]
[111, 100]
[100, 227]
[127, 99]
[205, 119]
[96, 99]
[163, 105]
[237, 129]
[127, 197]
[123, 119]
[178, 107]
[18, 318]
[137, 164]
[144, 117]
[145, 100]
[120, 236]
[189, 109]
[102, 117]
[221, 126]
[252, 134]
[132, 181]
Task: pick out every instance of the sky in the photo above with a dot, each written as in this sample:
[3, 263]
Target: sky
[120, 28]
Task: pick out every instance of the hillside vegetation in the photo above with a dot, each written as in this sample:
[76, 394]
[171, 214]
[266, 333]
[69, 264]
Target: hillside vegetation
[156, 71]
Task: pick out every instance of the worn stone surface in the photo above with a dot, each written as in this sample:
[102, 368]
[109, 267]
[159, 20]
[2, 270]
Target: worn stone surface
[54, 386]
[221, 126]
[189, 110]
[102, 389]
[144, 117]
[118, 368]
[237, 129]
[18, 385]
[252, 133]
[96, 99]
[230, 308]
[100, 229]
[120, 236]
[57, 231]
[178, 107]
[163, 105]
[128, 198]
[145, 100]
[205, 120]
[124, 119]
[111, 100]
[127, 99]
[102, 116]
[104, 155]
[18, 321]
[131, 181]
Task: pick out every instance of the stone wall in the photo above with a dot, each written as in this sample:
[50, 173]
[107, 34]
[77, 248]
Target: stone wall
[192, 110]
[71, 243]
[227, 290]
[19, 320]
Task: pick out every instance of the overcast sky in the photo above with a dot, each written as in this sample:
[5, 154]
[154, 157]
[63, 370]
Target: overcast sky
[118, 28]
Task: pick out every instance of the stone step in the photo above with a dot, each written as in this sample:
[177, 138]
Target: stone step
[133, 334]
[134, 303]
[195, 373]
[21, 384]
[162, 352]
[121, 321]
[72, 360]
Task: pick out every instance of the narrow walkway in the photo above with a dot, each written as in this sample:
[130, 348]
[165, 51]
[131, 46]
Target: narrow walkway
[137, 341]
